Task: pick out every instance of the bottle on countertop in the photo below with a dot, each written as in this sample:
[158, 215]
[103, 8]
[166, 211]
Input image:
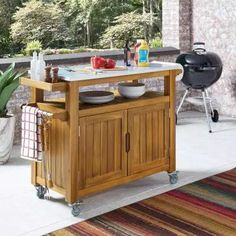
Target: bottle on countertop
[143, 54]
[41, 68]
[137, 45]
[127, 54]
[33, 66]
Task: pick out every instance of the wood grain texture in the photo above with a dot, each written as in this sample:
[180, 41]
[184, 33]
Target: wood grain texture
[102, 153]
[121, 103]
[61, 86]
[56, 155]
[170, 90]
[57, 112]
[72, 106]
[148, 134]
[101, 146]
[163, 166]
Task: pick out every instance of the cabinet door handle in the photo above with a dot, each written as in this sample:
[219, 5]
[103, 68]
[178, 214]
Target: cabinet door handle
[127, 142]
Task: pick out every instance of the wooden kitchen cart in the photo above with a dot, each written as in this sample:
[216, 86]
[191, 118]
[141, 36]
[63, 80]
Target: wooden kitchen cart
[96, 147]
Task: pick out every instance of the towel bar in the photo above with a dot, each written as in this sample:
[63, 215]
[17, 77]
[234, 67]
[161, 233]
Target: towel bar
[57, 112]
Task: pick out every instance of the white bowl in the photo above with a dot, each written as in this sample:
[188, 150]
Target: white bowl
[131, 90]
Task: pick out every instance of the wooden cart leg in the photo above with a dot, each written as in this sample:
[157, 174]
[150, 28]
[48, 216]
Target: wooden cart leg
[170, 90]
[37, 95]
[72, 107]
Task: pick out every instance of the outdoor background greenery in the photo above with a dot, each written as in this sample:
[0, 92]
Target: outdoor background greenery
[65, 26]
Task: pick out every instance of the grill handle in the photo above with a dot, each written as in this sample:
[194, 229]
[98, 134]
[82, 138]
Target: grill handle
[207, 68]
[196, 68]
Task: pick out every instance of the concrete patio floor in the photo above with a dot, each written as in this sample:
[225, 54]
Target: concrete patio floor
[199, 155]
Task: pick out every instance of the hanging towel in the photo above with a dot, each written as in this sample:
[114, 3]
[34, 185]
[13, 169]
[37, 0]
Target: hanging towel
[32, 135]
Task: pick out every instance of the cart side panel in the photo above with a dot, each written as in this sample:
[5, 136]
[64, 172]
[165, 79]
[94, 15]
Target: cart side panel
[56, 157]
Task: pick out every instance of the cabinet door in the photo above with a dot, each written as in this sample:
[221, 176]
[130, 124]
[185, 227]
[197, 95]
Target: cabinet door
[103, 155]
[148, 129]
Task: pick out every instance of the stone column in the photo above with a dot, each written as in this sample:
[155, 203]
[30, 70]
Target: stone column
[185, 25]
[170, 23]
[177, 24]
[177, 32]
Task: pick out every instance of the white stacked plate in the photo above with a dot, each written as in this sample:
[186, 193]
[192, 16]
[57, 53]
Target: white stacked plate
[96, 97]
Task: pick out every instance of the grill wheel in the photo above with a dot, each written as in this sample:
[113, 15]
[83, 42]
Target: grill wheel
[215, 116]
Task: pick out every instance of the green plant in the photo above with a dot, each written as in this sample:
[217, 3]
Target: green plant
[32, 46]
[126, 26]
[49, 51]
[9, 82]
[40, 20]
[64, 51]
[78, 50]
[156, 43]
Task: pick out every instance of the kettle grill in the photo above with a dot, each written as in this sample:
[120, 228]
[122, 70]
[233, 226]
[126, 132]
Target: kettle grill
[201, 70]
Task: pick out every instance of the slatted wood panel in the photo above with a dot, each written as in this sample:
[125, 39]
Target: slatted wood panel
[149, 137]
[57, 155]
[102, 154]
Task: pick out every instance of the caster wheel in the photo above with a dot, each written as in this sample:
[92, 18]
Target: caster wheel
[75, 209]
[173, 178]
[41, 191]
[215, 116]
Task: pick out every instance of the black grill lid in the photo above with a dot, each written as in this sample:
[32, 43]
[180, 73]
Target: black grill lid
[208, 59]
[201, 68]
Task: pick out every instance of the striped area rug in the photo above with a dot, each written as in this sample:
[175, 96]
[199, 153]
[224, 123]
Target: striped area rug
[206, 207]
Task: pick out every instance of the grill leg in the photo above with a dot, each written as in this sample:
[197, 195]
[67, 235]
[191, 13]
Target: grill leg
[206, 110]
[182, 101]
[210, 101]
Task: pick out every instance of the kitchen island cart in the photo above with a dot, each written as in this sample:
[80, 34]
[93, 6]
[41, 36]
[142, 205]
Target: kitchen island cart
[96, 147]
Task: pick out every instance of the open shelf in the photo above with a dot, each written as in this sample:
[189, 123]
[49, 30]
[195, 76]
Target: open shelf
[52, 87]
[119, 103]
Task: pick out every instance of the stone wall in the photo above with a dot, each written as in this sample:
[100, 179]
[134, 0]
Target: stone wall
[214, 22]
